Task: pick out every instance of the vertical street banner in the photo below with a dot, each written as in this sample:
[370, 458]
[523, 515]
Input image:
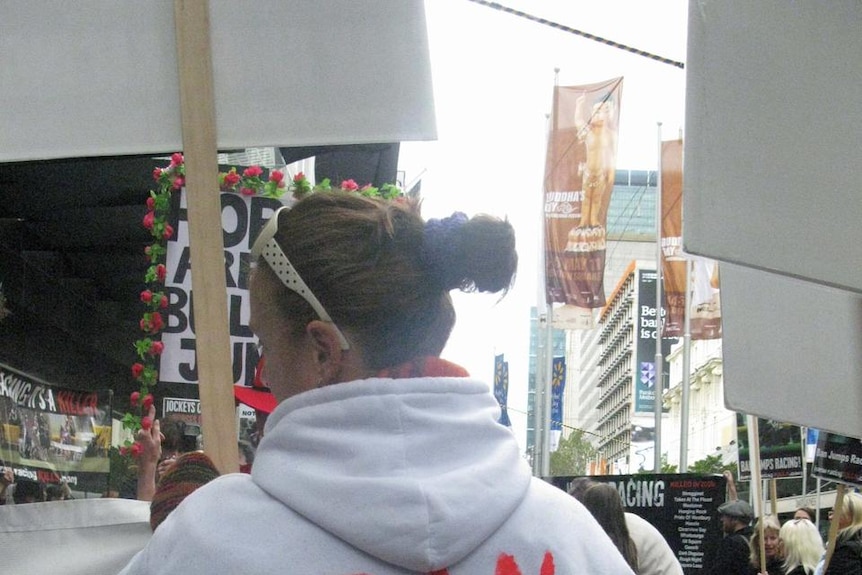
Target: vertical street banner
[781, 449]
[580, 165]
[838, 458]
[705, 312]
[705, 300]
[501, 387]
[673, 261]
[646, 336]
[558, 387]
[52, 434]
[684, 507]
[242, 219]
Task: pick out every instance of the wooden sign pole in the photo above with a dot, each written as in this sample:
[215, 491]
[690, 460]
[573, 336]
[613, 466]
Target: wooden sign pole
[215, 385]
[833, 524]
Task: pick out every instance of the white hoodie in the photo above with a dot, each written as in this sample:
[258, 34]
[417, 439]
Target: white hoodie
[377, 477]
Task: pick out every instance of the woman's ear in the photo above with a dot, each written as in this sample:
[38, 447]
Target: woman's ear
[327, 350]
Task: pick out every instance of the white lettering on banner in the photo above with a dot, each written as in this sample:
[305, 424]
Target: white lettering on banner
[641, 493]
[26, 394]
[172, 405]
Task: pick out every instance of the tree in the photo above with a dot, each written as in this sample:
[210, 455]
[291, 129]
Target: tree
[572, 455]
[711, 464]
[665, 466]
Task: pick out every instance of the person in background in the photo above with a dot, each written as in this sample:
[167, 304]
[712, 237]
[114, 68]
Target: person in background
[771, 547]
[801, 545]
[259, 397]
[733, 552]
[655, 556]
[381, 457]
[188, 472]
[58, 492]
[805, 513]
[604, 502]
[847, 557]
[7, 478]
[28, 491]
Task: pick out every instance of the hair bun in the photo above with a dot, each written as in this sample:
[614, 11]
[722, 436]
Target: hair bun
[470, 253]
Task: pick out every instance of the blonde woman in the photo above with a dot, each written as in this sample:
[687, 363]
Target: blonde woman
[847, 557]
[802, 546]
[771, 547]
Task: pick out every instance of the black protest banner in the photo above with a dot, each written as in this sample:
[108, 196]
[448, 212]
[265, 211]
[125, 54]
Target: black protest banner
[838, 458]
[683, 507]
[781, 449]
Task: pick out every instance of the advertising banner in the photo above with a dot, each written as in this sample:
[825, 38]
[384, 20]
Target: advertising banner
[705, 300]
[673, 261]
[558, 388]
[52, 434]
[242, 219]
[645, 342]
[501, 387]
[579, 177]
[781, 449]
[683, 507]
[705, 310]
[838, 458]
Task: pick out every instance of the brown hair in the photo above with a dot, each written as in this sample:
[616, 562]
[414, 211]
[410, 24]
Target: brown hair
[604, 503]
[384, 279]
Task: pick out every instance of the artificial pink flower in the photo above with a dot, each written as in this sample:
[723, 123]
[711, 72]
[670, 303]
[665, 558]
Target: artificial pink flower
[146, 296]
[298, 177]
[146, 422]
[349, 185]
[276, 176]
[231, 178]
[156, 348]
[177, 159]
[156, 322]
[247, 191]
[149, 220]
[161, 272]
[168, 232]
[252, 172]
[148, 401]
[133, 399]
[136, 449]
[163, 302]
[151, 203]
[179, 182]
[137, 370]
[157, 173]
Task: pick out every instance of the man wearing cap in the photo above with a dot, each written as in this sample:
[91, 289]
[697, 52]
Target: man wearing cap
[732, 557]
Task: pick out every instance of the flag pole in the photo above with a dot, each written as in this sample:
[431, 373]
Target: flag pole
[686, 372]
[541, 416]
[659, 377]
[546, 397]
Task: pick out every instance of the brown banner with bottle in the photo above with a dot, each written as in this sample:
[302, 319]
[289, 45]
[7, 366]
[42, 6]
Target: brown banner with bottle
[579, 178]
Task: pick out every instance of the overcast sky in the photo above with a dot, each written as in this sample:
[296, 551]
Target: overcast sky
[493, 76]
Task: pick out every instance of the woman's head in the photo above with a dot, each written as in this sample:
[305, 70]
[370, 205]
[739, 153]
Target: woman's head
[771, 541]
[364, 285]
[801, 545]
[849, 515]
[805, 513]
[604, 503]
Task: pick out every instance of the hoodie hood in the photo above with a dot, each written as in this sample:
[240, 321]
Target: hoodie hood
[416, 472]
